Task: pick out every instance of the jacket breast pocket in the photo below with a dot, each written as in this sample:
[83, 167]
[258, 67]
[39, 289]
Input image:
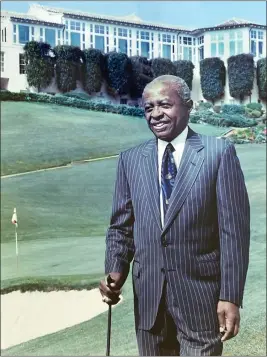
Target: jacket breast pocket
[209, 268]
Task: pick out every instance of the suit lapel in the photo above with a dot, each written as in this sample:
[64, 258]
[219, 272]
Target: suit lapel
[149, 166]
[190, 165]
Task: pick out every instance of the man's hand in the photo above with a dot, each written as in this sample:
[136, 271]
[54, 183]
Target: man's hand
[110, 288]
[229, 319]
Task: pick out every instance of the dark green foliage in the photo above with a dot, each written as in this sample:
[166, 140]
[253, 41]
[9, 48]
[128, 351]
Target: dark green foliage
[185, 70]
[94, 61]
[217, 108]
[212, 78]
[233, 109]
[39, 64]
[73, 102]
[204, 105]
[194, 118]
[119, 74]
[69, 60]
[162, 66]
[262, 77]
[141, 75]
[254, 106]
[241, 75]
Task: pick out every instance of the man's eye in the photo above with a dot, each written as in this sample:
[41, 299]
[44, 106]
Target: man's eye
[166, 105]
[148, 109]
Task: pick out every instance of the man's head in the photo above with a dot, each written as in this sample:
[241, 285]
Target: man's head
[167, 106]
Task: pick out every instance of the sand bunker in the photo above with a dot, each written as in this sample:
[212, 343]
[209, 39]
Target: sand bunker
[25, 316]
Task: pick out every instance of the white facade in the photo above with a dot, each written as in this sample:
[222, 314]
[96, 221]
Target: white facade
[126, 34]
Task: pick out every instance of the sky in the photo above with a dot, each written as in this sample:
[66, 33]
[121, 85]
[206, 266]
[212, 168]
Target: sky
[191, 14]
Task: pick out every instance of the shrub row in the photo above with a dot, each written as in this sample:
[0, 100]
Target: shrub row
[95, 105]
[224, 120]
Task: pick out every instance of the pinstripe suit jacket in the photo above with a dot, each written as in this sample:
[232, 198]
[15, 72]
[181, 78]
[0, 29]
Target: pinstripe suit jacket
[203, 248]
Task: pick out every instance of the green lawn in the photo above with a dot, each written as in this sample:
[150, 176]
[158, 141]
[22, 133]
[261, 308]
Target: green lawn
[63, 215]
[35, 135]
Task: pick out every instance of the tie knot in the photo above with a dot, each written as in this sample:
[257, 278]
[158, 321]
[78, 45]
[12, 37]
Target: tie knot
[170, 147]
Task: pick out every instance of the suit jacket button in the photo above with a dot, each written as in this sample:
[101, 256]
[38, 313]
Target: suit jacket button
[162, 270]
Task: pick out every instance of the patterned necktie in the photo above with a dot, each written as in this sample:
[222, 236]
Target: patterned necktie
[168, 174]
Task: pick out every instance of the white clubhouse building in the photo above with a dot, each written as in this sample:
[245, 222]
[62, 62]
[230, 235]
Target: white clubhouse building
[128, 34]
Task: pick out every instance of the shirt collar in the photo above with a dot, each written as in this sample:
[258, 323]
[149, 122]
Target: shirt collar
[180, 139]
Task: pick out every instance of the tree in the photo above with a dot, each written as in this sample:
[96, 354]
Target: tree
[262, 78]
[39, 64]
[241, 75]
[212, 78]
[119, 72]
[141, 75]
[69, 62]
[93, 70]
[185, 70]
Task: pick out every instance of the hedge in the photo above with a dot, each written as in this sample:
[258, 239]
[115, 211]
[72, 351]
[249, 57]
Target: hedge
[39, 64]
[212, 78]
[163, 66]
[241, 75]
[119, 69]
[223, 120]
[93, 76]
[141, 75]
[233, 109]
[95, 105]
[185, 70]
[262, 78]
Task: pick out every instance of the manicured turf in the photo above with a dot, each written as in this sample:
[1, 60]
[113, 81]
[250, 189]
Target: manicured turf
[75, 255]
[35, 135]
[63, 215]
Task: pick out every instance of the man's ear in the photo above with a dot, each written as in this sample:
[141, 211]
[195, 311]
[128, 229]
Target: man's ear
[189, 104]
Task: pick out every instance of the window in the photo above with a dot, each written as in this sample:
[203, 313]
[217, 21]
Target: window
[122, 32]
[239, 34]
[221, 48]
[260, 35]
[50, 37]
[239, 47]
[232, 48]
[253, 34]
[100, 29]
[166, 38]
[75, 39]
[123, 45]
[232, 35]
[159, 36]
[23, 34]
[67, 24]
[213, 50]
[220, 36]
[75, 25]
[253, 47]
[166, 51]
[145, 49]
[107, 30]
[201, 53]
[137, 34]
[14, 33]
[99, 43]
[22, 64]
[91, 28]
[32, 33]
[188, 53]
[213, 37]
[200, 40]
[4, 34]
[130, 33]
[2, 61]
[187, 40]
[260, 47]
[83, 26]
[144, 35]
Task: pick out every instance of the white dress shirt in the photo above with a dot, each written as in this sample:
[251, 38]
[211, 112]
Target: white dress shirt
[178, 143]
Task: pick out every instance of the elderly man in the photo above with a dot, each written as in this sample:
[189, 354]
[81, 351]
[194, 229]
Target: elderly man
[181, 213]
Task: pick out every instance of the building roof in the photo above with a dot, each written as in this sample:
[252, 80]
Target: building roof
[131, 19]
[235, 21]
[19, 17]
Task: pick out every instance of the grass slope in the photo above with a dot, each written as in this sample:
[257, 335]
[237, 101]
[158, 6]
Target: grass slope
[36, 136]
[77, 254]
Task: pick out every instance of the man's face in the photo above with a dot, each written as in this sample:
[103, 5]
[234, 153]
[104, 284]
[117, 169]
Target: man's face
[166, 114]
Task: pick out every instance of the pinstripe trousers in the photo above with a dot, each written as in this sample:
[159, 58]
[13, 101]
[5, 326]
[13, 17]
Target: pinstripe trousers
[170, 336]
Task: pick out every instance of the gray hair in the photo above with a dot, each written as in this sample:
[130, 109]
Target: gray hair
[177, 83]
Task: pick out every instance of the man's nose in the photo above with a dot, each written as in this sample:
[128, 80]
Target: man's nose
[156, 112]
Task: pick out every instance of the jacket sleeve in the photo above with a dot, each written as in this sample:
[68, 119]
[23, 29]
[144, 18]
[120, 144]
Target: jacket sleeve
[234, 226]
[119, 238]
